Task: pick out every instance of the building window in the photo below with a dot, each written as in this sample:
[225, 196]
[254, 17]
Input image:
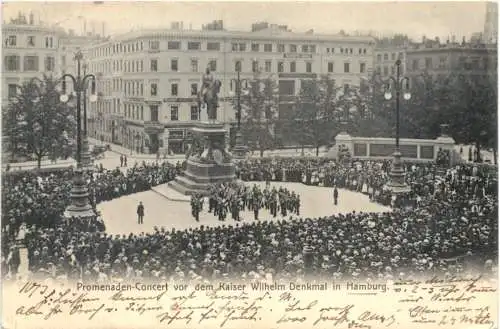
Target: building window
[31, 41]
[308, 67]
[281, 67]
[330, 67]
[174, 89]
[12, 91]
[238, 47]
[153, 113]
[393, 70]
[234, 46]
[362, 67]
[50, 64]
[194, 89]
[268, 47]
[11, 41]
[154, 89]
[281, 48]
[428, 63]
[174, 113]
[347, 67]
[255, 66]
[442, 62]
[142, 112]
[213, 46]
[48, 42]
[292, 67]
[393, 56]
[30, 63]
[174, 45]
[194, 65]
[293, 48]
[267, 66]
[194, 46]
[386, 70]
[174, 65]
[312, 49]
[243, 47]
[386, 57]
[305, 48]
[12, 63]
[153, 45]
[212, 65]
[415, 65]
[194, 112]
[141, 89]
[154, 65]
[237, 66]
[255, 47]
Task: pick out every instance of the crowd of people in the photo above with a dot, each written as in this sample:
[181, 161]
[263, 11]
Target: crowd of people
[235, 197]
[40, 198]
[451, 228]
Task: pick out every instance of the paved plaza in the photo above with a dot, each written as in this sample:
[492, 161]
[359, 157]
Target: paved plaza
[120, 214]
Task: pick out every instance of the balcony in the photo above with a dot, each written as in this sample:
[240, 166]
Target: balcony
[153, 127]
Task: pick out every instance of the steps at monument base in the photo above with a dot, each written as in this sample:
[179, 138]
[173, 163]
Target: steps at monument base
[170, 193]
[186, 186]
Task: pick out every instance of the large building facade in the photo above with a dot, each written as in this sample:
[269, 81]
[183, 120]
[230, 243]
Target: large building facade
[148, 81]
[29, 51]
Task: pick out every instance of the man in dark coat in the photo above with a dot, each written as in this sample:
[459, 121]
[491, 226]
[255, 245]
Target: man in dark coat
[335, 195]
[140, 213]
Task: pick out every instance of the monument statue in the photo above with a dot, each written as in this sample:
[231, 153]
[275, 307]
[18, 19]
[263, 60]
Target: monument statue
[208, 94]
[208, 160]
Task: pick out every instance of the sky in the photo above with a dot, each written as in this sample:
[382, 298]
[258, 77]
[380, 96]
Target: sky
[416, 19]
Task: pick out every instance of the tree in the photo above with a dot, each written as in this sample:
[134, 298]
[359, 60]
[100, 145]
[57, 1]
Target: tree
[313, 122]
[36, 121]
[259, 104]
[472, 111]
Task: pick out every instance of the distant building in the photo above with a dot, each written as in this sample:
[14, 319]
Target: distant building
[387, 51]
[490, 33]
[442, 59]
[149, 80]
[29, 50]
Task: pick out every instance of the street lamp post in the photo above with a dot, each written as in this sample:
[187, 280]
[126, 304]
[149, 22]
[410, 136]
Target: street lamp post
[397, 184]
[80, 206]
[239, 150]
[86, 158]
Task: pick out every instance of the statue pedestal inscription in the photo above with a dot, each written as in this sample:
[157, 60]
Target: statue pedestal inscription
[206, 164]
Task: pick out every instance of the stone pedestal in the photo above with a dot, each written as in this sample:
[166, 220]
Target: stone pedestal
[396, 183]
[80, 206]
[207, 164]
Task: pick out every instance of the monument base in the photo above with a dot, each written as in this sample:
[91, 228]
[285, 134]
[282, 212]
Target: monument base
[210, 164]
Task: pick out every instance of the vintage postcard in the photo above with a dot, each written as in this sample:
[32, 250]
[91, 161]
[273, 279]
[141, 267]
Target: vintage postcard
[249, 165]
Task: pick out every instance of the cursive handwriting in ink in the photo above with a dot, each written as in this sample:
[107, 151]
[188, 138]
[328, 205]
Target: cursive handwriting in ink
[78, 309]
[121, 297]
[339, 316]
[368, 316]
[175, 316]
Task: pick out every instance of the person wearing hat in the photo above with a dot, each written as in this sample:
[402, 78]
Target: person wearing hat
[140, 213]
[335, 195]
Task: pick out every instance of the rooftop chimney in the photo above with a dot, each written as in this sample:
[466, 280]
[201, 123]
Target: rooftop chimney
[32, 19]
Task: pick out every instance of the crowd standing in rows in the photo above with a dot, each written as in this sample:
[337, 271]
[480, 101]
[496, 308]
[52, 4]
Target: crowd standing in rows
[452, 224]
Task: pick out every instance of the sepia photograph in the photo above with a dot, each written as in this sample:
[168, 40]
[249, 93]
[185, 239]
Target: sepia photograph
[253, 164]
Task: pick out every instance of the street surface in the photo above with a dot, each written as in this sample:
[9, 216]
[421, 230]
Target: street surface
[120, 214]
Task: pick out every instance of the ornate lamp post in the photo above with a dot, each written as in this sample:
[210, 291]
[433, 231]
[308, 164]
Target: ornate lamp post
[87, 161]
[80, 206]
[239, 150]
[397, 184]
